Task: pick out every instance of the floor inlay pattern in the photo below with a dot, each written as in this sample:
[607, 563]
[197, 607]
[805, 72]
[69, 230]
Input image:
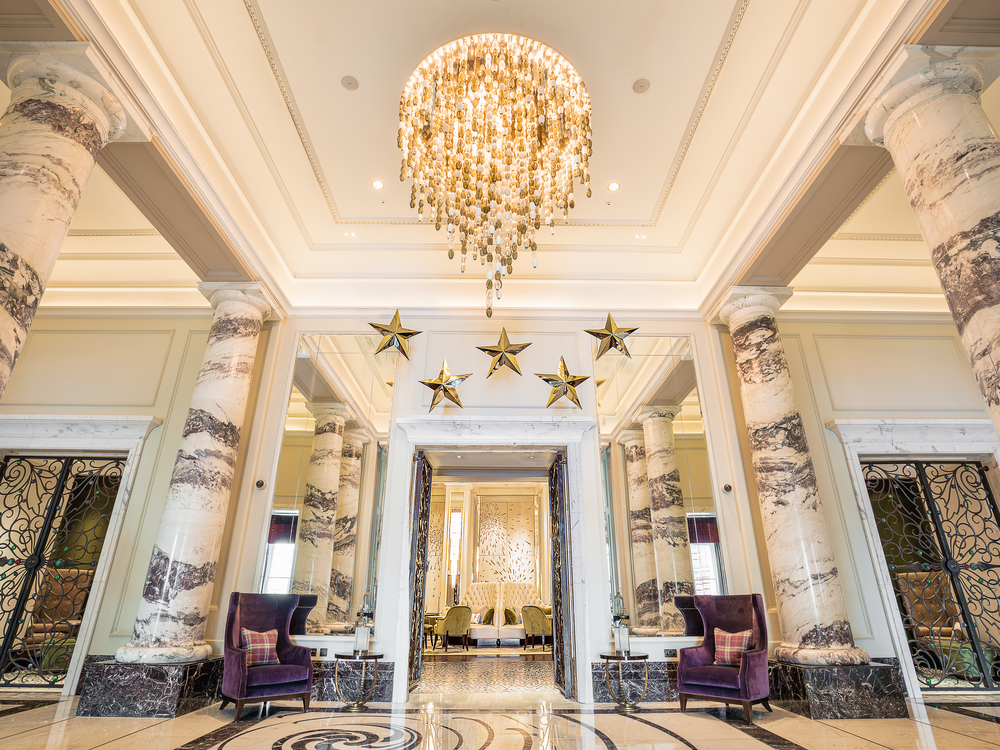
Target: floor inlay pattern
[486, 676]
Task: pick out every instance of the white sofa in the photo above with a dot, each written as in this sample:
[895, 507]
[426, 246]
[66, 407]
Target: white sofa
[514, 595]
[504, 595]
[477, 596]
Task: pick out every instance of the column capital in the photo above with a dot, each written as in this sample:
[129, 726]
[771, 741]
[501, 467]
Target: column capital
[661, 411]
[750, 301]
[924, 71]
[631, 436]
[357, 435]
[330, 411]
[251, 293]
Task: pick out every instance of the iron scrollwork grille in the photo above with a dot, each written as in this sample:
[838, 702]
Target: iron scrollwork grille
[940, 532]
[54, 515]
[422, 475]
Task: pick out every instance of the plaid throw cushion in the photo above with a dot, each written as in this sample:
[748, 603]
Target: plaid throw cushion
[261, 647]
[730, 646]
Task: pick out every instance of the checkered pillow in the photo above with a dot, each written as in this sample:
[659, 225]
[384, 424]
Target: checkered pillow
[730, 646]
[261, 647]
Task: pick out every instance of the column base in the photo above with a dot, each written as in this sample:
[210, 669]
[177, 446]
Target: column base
[130, 654]
[822, 657]
[865, 691]
[148, 690]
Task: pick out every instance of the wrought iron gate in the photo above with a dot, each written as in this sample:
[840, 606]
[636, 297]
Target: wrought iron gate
[563, 650]
[940, 532]
[421, 489]
[54, 514]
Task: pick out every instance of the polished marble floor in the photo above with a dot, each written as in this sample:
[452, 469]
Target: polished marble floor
[491, 722]
[486, 675]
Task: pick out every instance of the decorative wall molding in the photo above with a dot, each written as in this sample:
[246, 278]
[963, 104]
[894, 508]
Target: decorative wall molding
[513, 431]
[866, 439]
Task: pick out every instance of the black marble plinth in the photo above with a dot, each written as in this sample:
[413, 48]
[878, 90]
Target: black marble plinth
[350, 680]
[662, 681]
[868, 691]
[163, 691]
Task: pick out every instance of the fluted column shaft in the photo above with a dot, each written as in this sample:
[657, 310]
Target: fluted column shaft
[815, 628]
[173, 612]
[671, 545]
[314, 553]
[57, 121]
[647, 599]
[345, 533]
[948, 157]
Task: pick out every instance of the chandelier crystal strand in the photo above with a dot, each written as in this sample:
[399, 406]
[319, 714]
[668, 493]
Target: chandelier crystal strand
[495, 129]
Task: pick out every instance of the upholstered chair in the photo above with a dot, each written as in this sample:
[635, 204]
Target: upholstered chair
[291, 678]
[697, 674]
[455, 624]
[535, 624]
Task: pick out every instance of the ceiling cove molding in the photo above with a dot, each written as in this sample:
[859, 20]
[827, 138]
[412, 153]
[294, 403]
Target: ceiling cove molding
[822, 144]
[879, 262]
[865, 317]
[113, 233]
[878, 238]
[168, 142]
[868, 197]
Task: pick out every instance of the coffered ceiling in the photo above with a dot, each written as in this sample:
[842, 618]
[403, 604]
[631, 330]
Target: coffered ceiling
[745, 98]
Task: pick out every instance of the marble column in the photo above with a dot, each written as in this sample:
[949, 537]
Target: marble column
[314, 553]
[812, 613]
[671, 545]
[345, 535]
[948, 158]
[173, 612]
[57, 121]
[647, 599]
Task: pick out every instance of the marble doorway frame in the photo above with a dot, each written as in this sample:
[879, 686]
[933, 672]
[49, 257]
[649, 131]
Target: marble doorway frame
[85, 435]
[558, 433]
[868, 439]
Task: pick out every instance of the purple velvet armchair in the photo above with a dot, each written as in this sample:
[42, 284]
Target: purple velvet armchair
[292, 678]
[697, 674]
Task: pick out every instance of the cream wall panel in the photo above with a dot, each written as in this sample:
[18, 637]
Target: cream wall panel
[290, 481]
[94, 368]
[882, 373]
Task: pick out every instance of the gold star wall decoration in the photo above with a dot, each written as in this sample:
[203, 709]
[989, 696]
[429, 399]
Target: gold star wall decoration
[394, 336]
[504, 353]
[444, 386]
[611, 337]
[563, 384]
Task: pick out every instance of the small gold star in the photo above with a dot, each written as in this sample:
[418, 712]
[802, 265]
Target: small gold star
[504, 353]
[394, 336]
[612, 337]
[563, 384]
[444, 386]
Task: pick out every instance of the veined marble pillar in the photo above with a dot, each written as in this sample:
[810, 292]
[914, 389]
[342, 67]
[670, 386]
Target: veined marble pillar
[811, 610]
[345, 535]
[671, 545]
[647, 598]
[170, 625]
[57, 121]
[314, 553]
[948, 157]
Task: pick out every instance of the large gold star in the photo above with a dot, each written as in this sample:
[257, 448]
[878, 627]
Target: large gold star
[563, 384]
[444, 386]
[612, 337]
[504, 353]
[394, 336]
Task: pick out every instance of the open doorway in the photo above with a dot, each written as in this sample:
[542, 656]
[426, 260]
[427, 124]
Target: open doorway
[488, 574]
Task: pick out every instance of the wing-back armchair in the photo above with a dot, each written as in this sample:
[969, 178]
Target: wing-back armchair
[455, 624]
[536, 623]
[698, 676]
[291, 678]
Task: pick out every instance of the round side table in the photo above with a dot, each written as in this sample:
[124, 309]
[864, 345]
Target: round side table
[625, 705]
[357, 705]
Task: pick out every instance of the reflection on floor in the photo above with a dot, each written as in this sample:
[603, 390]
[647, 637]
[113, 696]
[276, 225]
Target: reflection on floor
[494, 722]
[486, 675]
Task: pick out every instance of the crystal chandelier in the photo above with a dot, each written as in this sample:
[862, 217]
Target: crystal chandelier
[495, 129]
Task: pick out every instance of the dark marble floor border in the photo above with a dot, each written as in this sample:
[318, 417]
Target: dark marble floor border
[731, 717]
[11, 706]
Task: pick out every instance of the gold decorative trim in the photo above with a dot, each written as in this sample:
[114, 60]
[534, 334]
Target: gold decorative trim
[265, 43]
[864, 203]
[880, 237]
[886, 262]
[112, 233]
[701, 110]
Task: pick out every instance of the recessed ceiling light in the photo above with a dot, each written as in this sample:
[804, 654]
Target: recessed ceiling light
[641, 86]
[377, 184]
[353, 234]
[457, 456]
[613, 186]
[637, 236]
[349, 82]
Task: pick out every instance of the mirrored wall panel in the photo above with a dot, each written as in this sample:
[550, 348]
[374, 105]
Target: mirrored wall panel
[324, 527]
[663, 505]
